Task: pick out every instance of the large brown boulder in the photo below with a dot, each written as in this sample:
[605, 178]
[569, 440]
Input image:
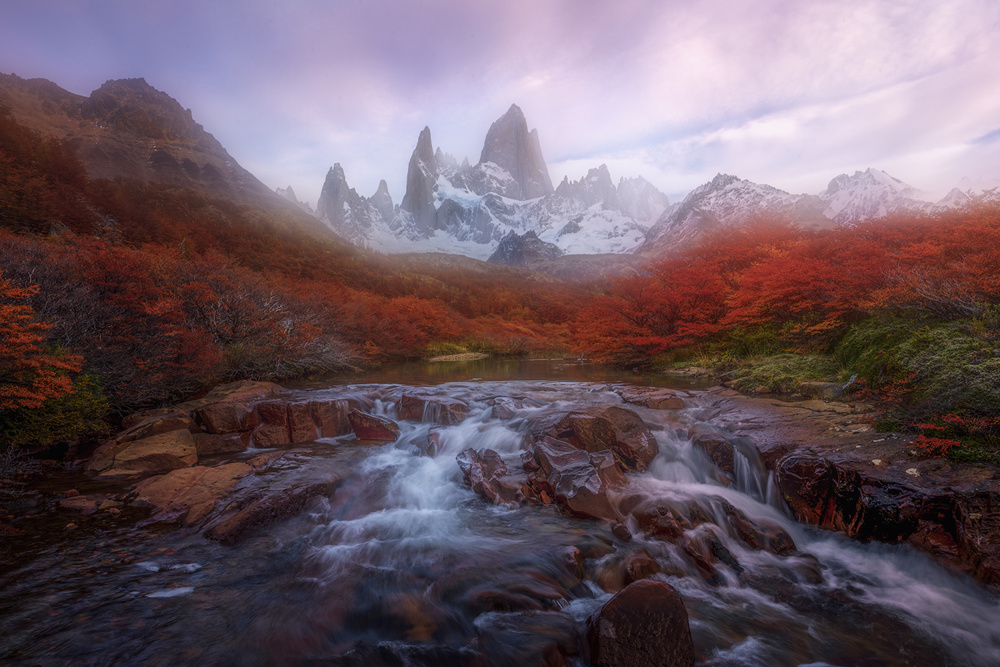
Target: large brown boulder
[188, 495]
[579, 480]
[644, 624]
[613, 428]
[373, 428]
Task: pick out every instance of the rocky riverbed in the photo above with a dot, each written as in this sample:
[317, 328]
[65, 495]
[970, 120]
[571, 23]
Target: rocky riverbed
[510, 523]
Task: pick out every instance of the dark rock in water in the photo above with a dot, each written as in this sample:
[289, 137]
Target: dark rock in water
[639, 565]
[657, 520]
[371, 427]
[716, 446]
[528, 639]
[482, 471]
[396, 654]
[645, 624]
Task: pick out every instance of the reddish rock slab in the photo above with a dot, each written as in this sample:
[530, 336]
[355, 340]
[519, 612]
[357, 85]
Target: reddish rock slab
[272, 412]
[652, 397]
[189, 495]
[373, 428]
[210, 444]
[644, 624]
[174, 421]
[155, 454]
[227, 417]
[432, 409]
[330, 416]
[301, 427]
[271, 435]
[85, 505]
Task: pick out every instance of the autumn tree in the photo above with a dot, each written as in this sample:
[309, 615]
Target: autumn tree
[29, 373]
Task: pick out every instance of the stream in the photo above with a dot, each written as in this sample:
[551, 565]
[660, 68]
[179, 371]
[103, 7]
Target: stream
[406, 565]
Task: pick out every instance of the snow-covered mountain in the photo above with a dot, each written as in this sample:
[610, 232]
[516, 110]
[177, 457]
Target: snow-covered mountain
[452, 207]
[870, 194]
[728, 201]
[508, 197]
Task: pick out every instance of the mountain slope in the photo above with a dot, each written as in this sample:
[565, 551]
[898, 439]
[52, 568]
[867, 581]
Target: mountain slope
[128, 129]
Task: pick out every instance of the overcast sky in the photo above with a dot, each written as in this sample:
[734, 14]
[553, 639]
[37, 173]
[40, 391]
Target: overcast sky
[785, 92]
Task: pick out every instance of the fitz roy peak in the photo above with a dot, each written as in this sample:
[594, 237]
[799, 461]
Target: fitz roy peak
[504, 207]
[458, 208]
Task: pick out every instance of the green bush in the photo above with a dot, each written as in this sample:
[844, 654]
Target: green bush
[948, 366]
[70, 417]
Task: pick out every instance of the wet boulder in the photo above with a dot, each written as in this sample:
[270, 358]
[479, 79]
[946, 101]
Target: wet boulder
[372, 427]
[506, 408]
[579, 481]
[483, 471]
[639, 565]
[613, 428]
[718, 447]
[656, 519]
[644, 624]
[760, 536]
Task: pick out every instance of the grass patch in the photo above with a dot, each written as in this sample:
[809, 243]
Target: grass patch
[780, 372]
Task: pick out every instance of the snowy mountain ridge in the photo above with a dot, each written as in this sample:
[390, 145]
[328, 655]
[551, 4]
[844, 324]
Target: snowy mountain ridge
[470, 209]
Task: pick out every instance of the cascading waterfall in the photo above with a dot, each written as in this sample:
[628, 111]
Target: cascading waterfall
[406, 561]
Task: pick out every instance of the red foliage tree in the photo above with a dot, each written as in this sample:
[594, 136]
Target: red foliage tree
[29, 374]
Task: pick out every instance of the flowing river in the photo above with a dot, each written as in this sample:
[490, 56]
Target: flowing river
[405, 565]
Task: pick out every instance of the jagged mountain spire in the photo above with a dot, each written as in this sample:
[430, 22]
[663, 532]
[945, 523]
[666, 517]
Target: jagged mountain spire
[421, 181]
[510, 145]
